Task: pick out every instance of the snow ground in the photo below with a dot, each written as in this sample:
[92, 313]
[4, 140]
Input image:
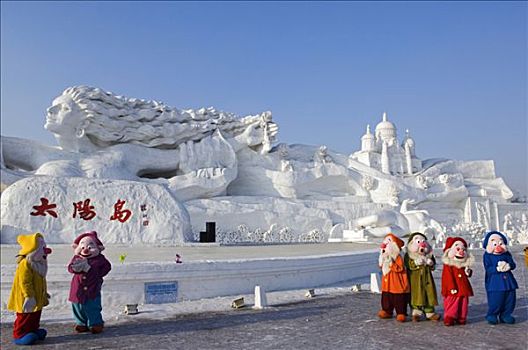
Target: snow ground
[165, 311]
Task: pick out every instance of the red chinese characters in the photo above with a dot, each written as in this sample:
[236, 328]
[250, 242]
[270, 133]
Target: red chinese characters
[120, 214]
[84, 209]
[44, 208]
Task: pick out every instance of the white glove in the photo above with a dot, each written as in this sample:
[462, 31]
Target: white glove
[506, 267]
[453, 291]
[81, 265]
[86, 266]
[29, 305]
[429, 262]
[468, 271]
[76, 266]
[500, 265]
[419, 261]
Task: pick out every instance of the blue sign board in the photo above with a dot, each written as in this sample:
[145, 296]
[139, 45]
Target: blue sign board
[161, 292]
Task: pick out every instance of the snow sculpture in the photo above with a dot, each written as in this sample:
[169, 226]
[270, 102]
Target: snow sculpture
[482, 215]
[382, 223]
[100, 119]
[382, 151]
[394, 192]
[283, 155]
[282, 150]
[322, 156]
[420, 220]
[507, 227]
[367, 182]
[400, 223]
[214, 166]
[102, 135]
[123, 212]
[523, 230]
[439, 239]
[421, 181]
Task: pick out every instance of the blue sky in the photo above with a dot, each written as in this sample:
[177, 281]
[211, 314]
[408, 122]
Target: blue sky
[454, 73]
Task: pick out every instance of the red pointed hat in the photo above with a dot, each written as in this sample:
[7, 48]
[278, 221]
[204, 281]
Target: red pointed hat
[451, 240]
[92, 234]
[396, 240]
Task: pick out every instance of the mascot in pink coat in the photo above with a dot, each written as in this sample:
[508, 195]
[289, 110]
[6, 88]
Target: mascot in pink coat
[88, 267]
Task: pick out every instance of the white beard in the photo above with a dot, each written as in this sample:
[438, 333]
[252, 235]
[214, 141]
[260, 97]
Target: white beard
[41, 267]
[385, 267]
[458, 263]
[389, 257]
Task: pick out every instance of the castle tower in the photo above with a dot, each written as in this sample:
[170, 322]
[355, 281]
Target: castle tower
[408, 159]
[385, 163]
[385, 131]
[368, 141]
[408, 140]
[382, 151]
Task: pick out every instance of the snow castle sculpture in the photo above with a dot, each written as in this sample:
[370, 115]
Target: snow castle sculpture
[382, 151]
[143, 172]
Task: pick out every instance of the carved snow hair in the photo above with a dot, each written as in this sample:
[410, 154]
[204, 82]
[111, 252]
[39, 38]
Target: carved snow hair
[112, 119]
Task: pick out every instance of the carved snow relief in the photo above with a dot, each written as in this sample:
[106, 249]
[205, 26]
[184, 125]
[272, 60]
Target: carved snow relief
[220, 167]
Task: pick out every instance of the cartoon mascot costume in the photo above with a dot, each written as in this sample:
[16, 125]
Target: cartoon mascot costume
[499, 281]
[29, 292]
[88, 267]
[420, 263]
[456, 288]
[395, 289]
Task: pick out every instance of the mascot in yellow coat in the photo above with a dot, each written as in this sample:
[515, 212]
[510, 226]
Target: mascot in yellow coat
[29, 292]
